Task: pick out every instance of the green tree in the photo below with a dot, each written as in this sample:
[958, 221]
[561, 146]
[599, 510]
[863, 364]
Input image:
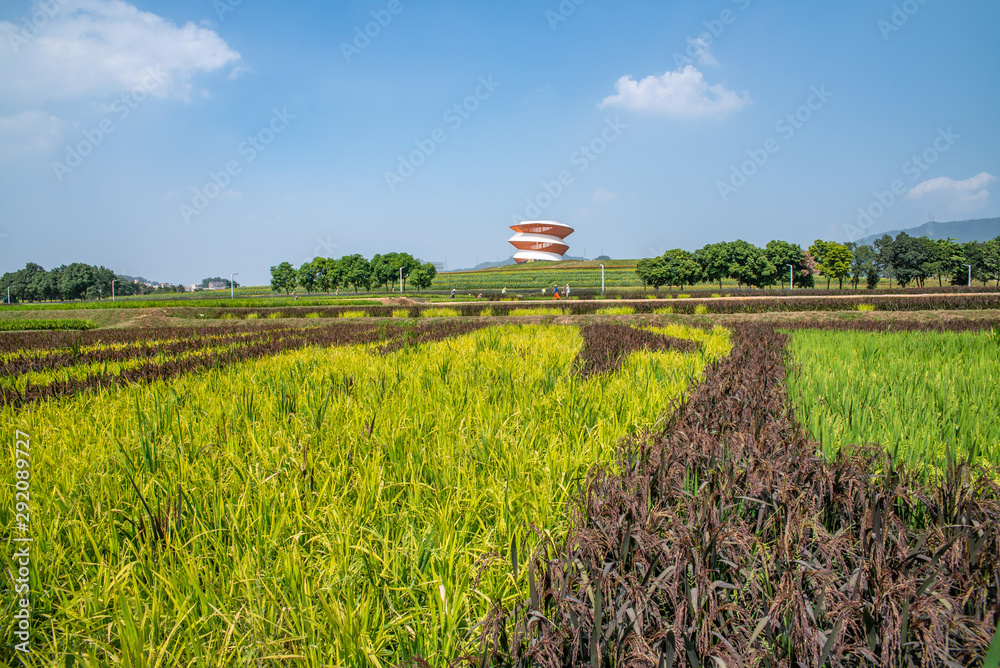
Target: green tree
[864, 266]
[309, 274]
[652, 271]
[681, 268]
[749, 265]
[424, 275]
[906, 259]
[714, 261]
[781, 254]
[357, 271]
[991, 259]
[838, 262]
[75, 279]
[283, 277]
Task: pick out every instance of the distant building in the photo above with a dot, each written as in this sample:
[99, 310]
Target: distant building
[217, 285]
[540, 240]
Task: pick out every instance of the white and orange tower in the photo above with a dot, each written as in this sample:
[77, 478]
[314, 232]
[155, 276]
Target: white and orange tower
[540, 240]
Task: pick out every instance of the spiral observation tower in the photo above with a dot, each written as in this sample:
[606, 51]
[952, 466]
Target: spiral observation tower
[543, 240]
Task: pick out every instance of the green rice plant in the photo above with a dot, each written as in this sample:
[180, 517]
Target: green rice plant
[30, 324]
[227, 316]
[684, 295]
[274, 315]
[666, 310]
[701, 309]
[487, 313]
[252, 316]
[716, 295]
[865, 307]
[400, 313]
[537, 311]
[312, 315]
[615, 310]
[918, 394]
[439, 313]
[352, 314]
[326, 506]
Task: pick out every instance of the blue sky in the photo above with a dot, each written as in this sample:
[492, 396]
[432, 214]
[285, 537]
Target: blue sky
[185, 139]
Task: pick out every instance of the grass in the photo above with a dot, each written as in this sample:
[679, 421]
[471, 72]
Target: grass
[917, 393]
[26, 324]
[439, 313]
[536, 311]
[319, 507]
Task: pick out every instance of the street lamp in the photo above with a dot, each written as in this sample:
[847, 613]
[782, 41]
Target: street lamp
[791, 276]
[113, 289]
[401, 279]
[232, 286]
[602, 280]
[970, 273]
[8, 293]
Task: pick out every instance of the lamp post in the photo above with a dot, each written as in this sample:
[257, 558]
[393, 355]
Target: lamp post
[602, 280]
[232, 286]
[8, 294]
[970, 273]
[400, 279]
[791, 276]
[113, 289]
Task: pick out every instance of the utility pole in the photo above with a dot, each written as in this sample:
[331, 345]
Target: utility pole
[602, 280]
[400, 279]
[970, 273]
[232, 286]
[791, 276]
[113, 289]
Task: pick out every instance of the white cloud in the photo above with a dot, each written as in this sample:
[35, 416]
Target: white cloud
[700, 47]
[31, 131]
[683, 94]
[959, 195]
[102, 48]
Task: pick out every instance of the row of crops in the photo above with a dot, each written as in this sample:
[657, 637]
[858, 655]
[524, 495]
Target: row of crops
[535, 279]
[972, 301]
[729, 539]
[340, 499]
[374, 493]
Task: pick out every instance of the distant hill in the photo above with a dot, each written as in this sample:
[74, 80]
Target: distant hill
[983, 229]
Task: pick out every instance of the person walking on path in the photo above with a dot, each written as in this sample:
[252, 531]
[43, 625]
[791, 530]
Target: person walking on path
[453, 293]
[567, 291]
[555, 291]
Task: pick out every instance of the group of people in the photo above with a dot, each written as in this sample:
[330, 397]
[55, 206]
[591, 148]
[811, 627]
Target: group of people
[555, 292]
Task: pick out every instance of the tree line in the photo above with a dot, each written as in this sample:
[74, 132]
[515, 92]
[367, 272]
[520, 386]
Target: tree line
[353, 271]
[905, 259]
[73, 281]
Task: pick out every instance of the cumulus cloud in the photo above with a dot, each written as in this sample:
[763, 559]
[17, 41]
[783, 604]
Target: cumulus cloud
[971, 193]
[101, 48]
[679, 93]
[31, 131]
